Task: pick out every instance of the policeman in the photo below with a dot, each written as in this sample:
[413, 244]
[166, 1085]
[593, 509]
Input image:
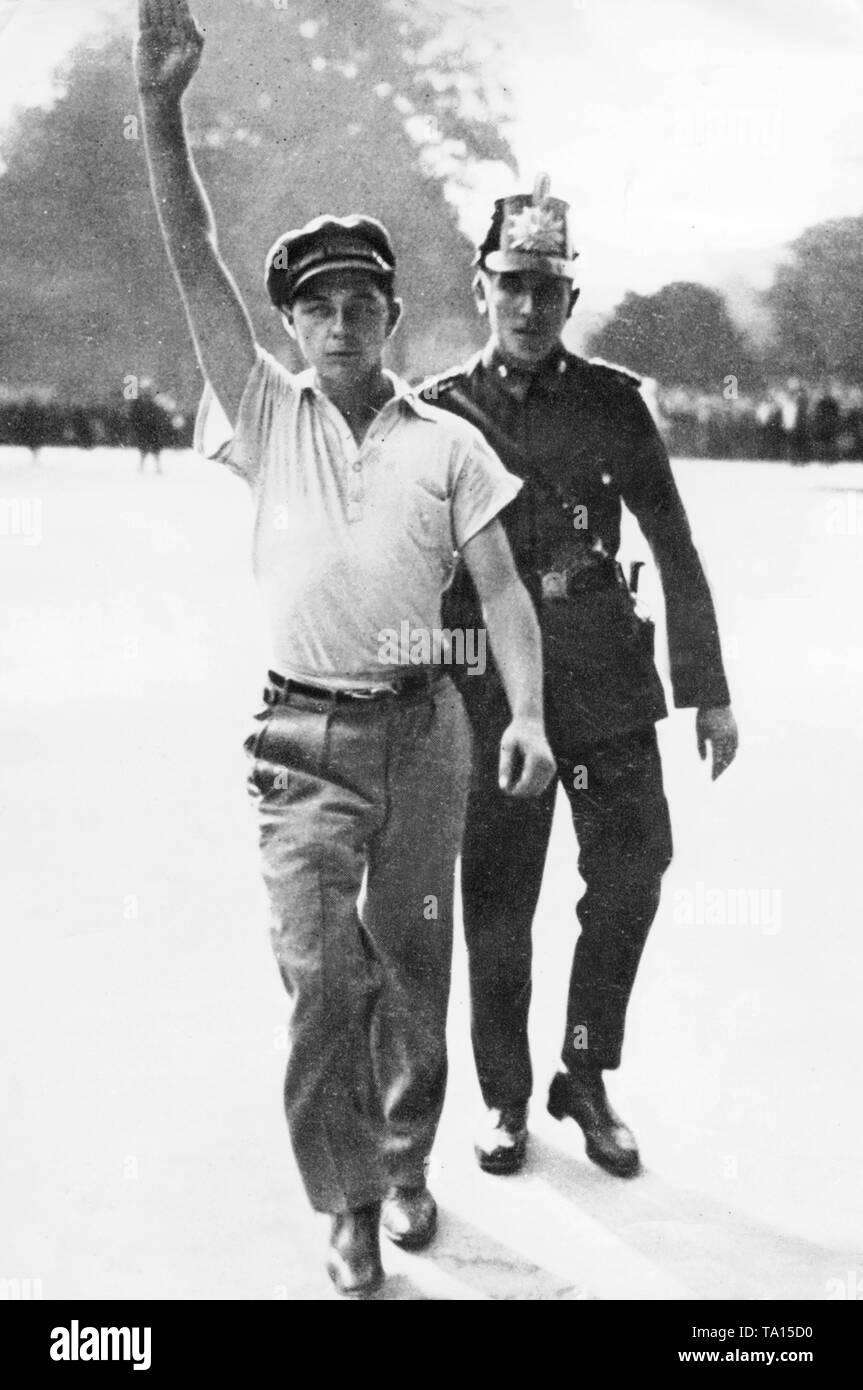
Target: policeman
[581, 438]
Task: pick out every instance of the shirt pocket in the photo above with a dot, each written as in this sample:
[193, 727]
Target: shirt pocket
[429, 519]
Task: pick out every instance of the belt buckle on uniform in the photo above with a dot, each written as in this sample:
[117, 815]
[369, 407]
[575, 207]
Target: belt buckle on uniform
[554, 584]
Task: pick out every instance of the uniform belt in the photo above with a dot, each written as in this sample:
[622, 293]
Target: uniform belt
[560, 584]
[419, 682]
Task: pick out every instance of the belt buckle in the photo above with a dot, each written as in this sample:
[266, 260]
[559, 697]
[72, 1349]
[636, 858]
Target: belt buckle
[371, 694]
[554, 584]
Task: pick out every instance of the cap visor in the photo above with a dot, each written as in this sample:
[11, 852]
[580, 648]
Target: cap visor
[502, 262]
[369, 267]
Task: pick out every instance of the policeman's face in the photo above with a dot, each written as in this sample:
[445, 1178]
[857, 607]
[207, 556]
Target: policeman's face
[527, 312]
[341, 320]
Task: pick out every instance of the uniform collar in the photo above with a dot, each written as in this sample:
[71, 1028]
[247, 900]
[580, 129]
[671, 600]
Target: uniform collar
[549, 375]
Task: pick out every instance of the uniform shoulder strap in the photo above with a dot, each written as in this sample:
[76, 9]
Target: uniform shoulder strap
[440, 387]
[449, 390]
[609, 371]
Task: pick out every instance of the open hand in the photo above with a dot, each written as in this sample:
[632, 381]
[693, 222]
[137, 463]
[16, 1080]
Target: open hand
[527, 763]
[718, 727]
[169, 47]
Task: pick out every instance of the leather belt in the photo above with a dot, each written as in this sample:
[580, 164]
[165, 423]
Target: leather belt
[562, 584]
[280, 689]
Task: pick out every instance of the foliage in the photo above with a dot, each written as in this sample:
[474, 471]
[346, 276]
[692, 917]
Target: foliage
[682, 336]
[816, 303]
[368, 105]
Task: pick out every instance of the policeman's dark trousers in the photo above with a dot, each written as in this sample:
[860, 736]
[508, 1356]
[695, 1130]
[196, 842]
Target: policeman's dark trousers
[361, 813]
[624, 836]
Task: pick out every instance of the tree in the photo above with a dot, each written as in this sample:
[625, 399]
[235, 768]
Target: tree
[369, 105]
[683, 336]
[816, 303]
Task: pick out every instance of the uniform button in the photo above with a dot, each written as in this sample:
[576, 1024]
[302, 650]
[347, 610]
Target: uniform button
[606, 478]
[561, 366]
[502, 371]
[358, 468]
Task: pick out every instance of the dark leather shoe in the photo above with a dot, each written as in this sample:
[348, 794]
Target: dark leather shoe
[502, 1145]
[409, 1216]
[354, 1258]
[608, 1141]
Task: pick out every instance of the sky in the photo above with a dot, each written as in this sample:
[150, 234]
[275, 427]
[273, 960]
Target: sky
[693, 138]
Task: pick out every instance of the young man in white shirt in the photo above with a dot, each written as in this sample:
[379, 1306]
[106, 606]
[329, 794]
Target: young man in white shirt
[360, 763]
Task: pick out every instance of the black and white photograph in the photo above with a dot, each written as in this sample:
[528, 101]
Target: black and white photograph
[431, 663]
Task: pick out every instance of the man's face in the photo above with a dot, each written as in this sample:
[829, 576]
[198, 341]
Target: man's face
[527, 312]
[341, 320]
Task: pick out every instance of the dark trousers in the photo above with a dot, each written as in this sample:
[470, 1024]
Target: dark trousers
[361, 809]
[621, 820]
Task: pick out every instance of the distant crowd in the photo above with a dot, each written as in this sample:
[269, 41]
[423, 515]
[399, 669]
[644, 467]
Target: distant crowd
[150, 423]
[794, 422]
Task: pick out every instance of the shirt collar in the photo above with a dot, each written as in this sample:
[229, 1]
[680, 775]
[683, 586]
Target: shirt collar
[403, 393]
[407, 395]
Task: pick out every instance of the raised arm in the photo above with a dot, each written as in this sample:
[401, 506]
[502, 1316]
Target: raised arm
[167, 55]
[526, 762]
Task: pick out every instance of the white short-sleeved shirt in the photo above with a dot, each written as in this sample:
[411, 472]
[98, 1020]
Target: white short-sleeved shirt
[351, 541]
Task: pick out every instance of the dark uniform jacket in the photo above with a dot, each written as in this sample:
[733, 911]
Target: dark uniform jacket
[578, 432]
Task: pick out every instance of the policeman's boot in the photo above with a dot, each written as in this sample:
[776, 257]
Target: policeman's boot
[354, 1257]
[609, 1143]
[501, 1145]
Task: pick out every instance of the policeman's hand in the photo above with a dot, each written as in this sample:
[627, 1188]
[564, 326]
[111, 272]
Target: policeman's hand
[526, 762]
[718, 727]
[169, 46]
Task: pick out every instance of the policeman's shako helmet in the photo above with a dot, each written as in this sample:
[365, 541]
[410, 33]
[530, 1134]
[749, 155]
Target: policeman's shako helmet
[529, 231]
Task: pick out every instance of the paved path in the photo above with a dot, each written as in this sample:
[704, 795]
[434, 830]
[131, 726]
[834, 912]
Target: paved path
[143, 1016]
